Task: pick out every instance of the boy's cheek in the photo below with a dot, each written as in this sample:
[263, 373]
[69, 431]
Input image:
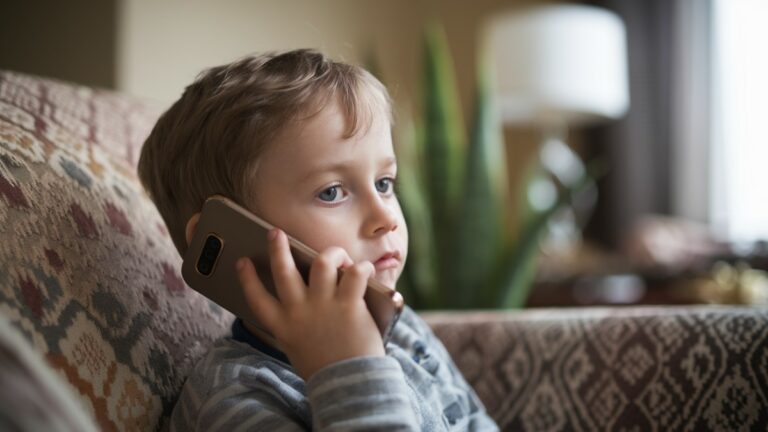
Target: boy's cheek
[405, 227]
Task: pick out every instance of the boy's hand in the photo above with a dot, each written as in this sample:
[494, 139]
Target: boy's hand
[320, 324]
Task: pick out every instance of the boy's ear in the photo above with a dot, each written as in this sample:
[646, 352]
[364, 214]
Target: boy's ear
[191, 226]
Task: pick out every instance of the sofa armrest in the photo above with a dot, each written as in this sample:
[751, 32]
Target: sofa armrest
[650, 368]
[32, 396]
[88, 272]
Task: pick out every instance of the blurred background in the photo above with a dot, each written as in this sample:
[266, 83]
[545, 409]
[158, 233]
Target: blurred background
[600, 152]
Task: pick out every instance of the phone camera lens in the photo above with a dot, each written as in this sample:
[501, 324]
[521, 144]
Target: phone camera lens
[209, 255]
[205, 267]
[214, 242]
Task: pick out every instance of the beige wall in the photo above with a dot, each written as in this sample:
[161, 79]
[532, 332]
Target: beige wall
[162, 45]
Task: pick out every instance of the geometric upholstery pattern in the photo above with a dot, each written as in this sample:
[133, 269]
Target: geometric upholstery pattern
[88, 273]
[634, 369]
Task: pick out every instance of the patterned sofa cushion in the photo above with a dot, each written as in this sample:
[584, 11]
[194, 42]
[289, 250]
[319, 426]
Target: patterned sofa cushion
[700, 368]
[88, 272]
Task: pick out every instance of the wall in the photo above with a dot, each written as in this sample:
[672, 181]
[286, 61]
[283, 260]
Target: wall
[162, 45]
[70, 40]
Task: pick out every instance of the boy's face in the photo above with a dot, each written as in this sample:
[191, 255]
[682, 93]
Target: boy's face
[326, 190]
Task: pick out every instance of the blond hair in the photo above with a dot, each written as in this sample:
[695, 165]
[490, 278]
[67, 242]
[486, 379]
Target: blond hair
[209, 141]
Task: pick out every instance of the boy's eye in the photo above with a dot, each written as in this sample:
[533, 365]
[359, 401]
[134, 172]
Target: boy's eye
[384, 185]
[330, 194]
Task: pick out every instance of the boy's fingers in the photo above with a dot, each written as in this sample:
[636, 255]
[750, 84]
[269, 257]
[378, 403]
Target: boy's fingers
[289, 285]
[324, 273]
[259, 300]
[354, 281]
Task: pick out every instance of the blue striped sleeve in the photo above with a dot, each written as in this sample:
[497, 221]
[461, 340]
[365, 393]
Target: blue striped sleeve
[364, 393]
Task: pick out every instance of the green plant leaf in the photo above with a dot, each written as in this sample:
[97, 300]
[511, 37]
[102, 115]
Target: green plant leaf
[443, 147]
[444, 132]
[480, 230]
[418, 284]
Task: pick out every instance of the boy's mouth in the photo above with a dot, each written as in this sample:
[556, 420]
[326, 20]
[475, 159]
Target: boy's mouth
[387, 261]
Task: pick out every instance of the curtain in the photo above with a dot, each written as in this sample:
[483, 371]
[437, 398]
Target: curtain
[656, 154]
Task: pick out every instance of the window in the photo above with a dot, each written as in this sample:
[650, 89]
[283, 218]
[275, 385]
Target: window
[739, 162]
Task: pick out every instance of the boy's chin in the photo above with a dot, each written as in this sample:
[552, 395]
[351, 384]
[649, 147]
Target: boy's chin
[388, 278]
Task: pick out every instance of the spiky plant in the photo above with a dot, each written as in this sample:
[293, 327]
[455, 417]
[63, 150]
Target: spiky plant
[463, 253]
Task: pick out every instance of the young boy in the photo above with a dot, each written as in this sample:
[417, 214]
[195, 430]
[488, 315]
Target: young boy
[304, 142]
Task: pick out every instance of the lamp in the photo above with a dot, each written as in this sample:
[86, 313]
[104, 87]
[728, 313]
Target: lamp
[558, 66]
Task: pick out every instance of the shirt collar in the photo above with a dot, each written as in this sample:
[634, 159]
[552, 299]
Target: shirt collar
[241, 334]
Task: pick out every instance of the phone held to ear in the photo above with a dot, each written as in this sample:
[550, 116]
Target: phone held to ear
[226, 231]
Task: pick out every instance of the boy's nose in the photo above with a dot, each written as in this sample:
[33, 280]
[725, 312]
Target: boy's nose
[382, 220]
[389, 225]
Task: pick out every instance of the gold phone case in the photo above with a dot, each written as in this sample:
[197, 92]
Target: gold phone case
[211, 271]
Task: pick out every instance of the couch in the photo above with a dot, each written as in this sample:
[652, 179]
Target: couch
[90, 285]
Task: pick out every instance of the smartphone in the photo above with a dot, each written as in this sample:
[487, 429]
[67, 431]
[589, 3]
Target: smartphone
[227, 231]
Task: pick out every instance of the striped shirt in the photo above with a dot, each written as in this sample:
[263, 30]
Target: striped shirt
[242, 384]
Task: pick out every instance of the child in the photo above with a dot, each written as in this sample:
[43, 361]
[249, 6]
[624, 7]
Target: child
[304, 142]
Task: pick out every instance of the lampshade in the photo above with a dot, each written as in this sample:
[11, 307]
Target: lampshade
[559, 64]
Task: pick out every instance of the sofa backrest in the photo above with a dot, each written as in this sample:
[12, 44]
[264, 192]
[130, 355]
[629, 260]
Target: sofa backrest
[88, 272]
[651, 368]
